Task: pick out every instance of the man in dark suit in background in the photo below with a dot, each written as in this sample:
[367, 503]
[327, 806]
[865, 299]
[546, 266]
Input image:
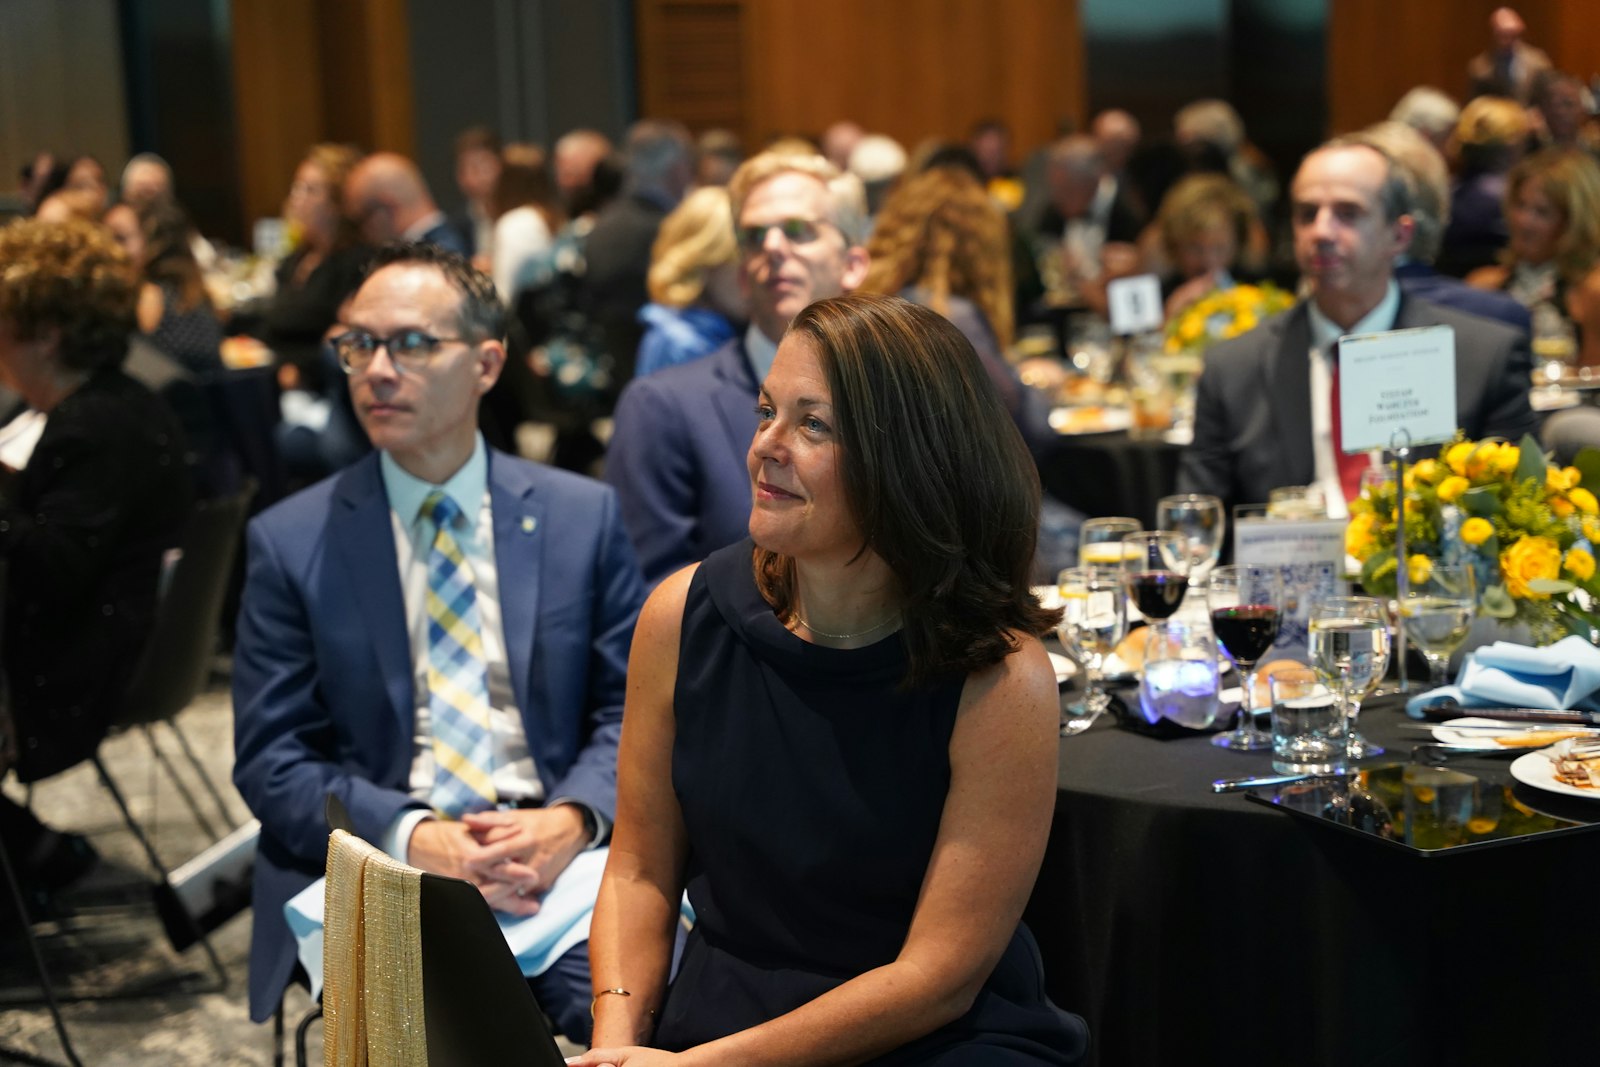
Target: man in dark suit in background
[389, 199]
[343, 680]
[677, 458]
[660, 161]
[1263, 416]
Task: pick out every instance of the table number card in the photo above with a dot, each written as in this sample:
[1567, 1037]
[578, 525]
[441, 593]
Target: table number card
[1398, 380]
[1134, 304]
[1310, 555]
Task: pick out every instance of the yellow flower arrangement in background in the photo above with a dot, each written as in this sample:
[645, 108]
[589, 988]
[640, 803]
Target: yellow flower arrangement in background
[1527, 527]
[1224, 313]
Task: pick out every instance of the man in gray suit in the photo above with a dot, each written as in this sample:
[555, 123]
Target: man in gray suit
[1263, 416]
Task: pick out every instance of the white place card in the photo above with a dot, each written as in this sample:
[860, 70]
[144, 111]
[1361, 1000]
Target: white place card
[1310, 555]
[1397, 380]
[1134, 304]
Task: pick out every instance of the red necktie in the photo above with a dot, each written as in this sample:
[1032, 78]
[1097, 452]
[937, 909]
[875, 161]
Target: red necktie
[1350, 467]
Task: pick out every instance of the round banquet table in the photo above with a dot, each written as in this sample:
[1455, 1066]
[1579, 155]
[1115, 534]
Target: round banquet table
[1194, 928]
[1110, 473]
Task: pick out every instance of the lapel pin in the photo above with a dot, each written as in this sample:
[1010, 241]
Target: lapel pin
[529, 523]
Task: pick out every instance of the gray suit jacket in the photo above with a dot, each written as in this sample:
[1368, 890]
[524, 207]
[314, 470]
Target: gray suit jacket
[1252, 429]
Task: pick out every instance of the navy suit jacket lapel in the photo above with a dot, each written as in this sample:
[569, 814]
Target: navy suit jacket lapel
[363, 537]
[519, 533]
[1290, 389]
[736, 404]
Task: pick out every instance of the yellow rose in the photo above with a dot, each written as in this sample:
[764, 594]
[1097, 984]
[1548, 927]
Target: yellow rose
[1191, 328]
[1583, 500]
[1419, 569]
[1456, 456]
[1573, 476]
[1476, 531]
[1506, 459]
[1580, 564]
[1591, 531]
[1527, 560]
[1562, 507]
[1453, 487]
[1358, 536]
[1426, 470]
[1554, 480]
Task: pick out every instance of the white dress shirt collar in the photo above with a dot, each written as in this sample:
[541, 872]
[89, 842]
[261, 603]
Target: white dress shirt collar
[1324, 332]
[466, 486]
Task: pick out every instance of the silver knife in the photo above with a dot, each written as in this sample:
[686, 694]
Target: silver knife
[1232, 785]
[1584, 718]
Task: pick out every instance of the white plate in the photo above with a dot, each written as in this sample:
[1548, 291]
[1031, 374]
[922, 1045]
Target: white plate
[1535, 769]
[1065, 668]
[1447, 733]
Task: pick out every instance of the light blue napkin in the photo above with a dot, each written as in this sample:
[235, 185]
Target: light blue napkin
[1558, 677]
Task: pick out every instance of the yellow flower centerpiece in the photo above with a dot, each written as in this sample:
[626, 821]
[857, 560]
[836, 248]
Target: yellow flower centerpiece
[1224, 313]
[1528, 528]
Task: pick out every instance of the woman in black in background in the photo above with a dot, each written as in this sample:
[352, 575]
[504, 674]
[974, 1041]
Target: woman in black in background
[84, 522]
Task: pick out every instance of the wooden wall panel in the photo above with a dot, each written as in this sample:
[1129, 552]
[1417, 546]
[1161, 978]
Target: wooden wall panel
[1377, 49]
[277, 98]
[692, 62]
[913, 69]
[308, 71]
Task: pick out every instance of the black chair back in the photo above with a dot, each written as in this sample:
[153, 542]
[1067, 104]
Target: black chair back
[177, 659]
[476, 1003]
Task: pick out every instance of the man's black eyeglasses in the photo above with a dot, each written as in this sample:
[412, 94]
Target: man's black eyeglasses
[409, 350]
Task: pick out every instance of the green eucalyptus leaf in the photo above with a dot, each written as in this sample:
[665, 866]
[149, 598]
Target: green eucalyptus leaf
[1530, 460]
[1483, 502]
[1551, 586]
[1497, 603]
[1588, 462]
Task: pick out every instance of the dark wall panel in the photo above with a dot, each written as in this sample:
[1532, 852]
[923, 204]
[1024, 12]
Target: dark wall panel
[180, 103]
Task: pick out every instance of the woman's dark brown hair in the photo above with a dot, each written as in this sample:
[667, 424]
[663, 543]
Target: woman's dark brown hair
[168, 258]
[525, 182]
[936, 476]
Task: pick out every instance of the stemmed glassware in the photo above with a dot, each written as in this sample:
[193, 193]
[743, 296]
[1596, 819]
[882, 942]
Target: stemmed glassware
[1246, 605]
[1202, 523]
[1094, 617]
[1350, 644]
[1438, 612]
[1156, 569]
[1100, 540]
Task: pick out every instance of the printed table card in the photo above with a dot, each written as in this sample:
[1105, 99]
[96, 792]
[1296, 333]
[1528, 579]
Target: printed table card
[1398, 380]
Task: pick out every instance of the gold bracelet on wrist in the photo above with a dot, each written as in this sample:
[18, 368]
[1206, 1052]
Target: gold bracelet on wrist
[616, 993]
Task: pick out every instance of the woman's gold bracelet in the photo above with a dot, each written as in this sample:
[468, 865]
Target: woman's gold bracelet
[616, 993]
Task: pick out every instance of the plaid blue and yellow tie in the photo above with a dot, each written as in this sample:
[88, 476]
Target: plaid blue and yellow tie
[458, 675]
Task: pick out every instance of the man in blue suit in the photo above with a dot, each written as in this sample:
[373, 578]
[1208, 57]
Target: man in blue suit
[337, 669]
[677, 454]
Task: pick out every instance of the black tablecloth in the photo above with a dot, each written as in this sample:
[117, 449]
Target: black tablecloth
[1194, 928]
[1110, 474]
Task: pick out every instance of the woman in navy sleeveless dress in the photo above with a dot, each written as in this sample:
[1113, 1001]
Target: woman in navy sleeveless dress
[855, 800]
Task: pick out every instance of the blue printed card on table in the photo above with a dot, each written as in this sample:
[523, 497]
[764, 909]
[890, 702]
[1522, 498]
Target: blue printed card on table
[1397, 380]
[1309, 554]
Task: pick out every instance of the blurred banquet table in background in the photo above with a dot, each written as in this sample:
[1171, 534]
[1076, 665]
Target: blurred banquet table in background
[1110, 473]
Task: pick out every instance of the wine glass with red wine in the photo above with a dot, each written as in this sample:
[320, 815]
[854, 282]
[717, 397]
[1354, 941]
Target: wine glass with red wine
[1246, 605]
[1155, 569]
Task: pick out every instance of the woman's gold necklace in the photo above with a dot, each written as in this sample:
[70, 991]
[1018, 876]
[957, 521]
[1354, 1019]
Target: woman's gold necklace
[801, 619]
